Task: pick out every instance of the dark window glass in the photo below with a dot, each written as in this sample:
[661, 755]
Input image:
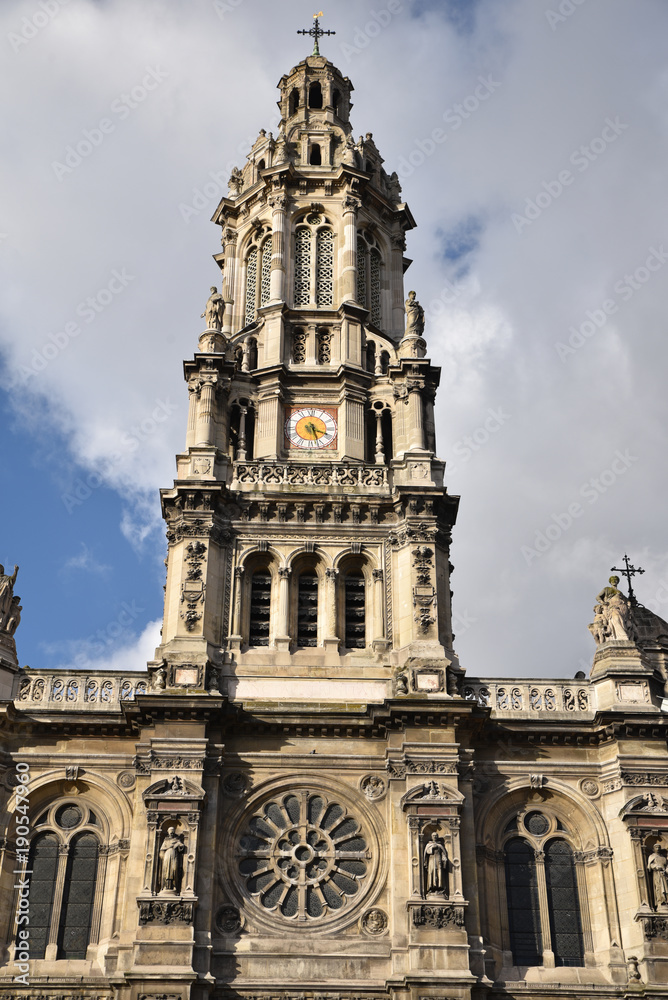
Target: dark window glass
[43, 862]
[316, 157]
[523, 910]
[355, 612]
[307, 610]
[315, 96]
[68, 817]
[260, 609]
[562, 899]
[78, 896]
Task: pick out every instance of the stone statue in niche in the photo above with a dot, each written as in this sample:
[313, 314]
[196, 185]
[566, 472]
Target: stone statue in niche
[9, 605]
[657, 864]
[613, 615]
[214, 310]
[414, 317]
[436, 867]
[171, 852]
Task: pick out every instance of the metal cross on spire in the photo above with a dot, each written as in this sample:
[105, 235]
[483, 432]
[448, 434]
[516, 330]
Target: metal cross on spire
[316, 32]
[628, 571]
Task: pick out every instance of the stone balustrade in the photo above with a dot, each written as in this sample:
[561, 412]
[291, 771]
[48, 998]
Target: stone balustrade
[528, 698]
[338, 476]
[66, 690]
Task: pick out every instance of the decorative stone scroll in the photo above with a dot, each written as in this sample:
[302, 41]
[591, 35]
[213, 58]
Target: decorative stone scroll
[432, 915]
[166, 911]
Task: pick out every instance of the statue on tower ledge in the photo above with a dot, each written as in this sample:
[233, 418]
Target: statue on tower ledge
[613, 615]
[214, 310]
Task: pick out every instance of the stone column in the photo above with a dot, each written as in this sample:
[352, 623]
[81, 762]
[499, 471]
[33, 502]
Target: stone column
[456, 859]
[230, 246]
[241, 443]
[397, 279]
[238, 586]
[379, 604]
[583, 896]
[245, 349]
[193, 397]
[51, 952]
[348, 273]
[205, 414]
[331, 618]
[548, 954]
[415, 417]
[281, 635]
[278, 204]
[380, 450]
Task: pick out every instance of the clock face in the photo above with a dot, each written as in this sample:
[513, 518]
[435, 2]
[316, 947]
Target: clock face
[311, 428]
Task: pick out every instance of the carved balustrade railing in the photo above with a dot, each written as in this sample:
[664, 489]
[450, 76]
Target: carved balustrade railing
[335, 475]
[531, 697]
[63, 690]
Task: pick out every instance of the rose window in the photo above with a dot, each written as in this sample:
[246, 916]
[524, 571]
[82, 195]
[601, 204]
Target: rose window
[303, 856]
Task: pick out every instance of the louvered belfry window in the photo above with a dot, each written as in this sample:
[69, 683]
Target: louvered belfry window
[374, 286]
[251, 284]
[307, 610]
[355, 611]
[265, 286]
[302, 267]
[78, 897]
[368, 277]
[260, 609]
[562, 900]
[43, 862]
[523, 907]
[258, 266]
[324, 271]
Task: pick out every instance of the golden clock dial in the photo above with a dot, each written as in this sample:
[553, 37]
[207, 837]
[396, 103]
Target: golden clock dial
[310, 428]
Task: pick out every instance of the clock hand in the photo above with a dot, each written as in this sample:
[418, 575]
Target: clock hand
[312, 429]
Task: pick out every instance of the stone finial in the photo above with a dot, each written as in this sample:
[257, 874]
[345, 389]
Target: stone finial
[236, 181]
[613, 615]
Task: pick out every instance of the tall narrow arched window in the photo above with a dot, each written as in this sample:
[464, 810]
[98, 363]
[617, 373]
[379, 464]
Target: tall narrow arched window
[307, 610]
[355, 611]
[315, 95]
[293, 102]
[563, 904]
[369, 276]
[78, 897]
[315, 155]
[258, 275]
[374, 286]
[523, 907]
[260, 608]
[302, 266]
[43, 862]
[361, 270]
[336, 102]
[324, 270]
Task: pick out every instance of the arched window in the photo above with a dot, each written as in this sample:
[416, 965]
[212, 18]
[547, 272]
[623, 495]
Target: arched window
[314, 264]
[371, 356]
[336, 102]
[355, 611]
[523, 907]
[315, 156]
[324, 270]
[563, 903]
[258, 265]
[261, 166]
[315, 95]
[78, 897]
[65, 901]
[43, 862]
[369, 277]
[307, 610]
[293, 101]
[260, 608]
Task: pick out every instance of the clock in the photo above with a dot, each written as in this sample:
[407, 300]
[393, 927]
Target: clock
[311, 428]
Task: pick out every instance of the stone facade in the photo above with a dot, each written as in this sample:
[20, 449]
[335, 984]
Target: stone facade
[304, 796]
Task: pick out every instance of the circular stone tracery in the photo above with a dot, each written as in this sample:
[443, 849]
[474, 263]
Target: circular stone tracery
[303, 856]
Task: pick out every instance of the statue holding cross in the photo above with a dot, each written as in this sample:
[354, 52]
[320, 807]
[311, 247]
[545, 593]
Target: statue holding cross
[613, 613]
[316, 32]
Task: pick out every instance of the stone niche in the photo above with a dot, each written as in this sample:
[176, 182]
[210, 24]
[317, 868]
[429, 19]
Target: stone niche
[436, 901]
[167, 902]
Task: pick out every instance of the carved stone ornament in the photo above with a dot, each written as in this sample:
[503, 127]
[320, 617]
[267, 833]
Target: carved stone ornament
[590, 787]
[373, 786]
[172, 911]
[228, 920]
[126, 780]
[236, 784]
[375, 921]
[655, 927]
[432, 915]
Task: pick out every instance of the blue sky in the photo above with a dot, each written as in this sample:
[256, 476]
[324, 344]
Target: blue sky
[532, 148]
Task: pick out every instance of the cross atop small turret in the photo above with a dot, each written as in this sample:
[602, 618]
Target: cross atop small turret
[628, 571]
[316, 32]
